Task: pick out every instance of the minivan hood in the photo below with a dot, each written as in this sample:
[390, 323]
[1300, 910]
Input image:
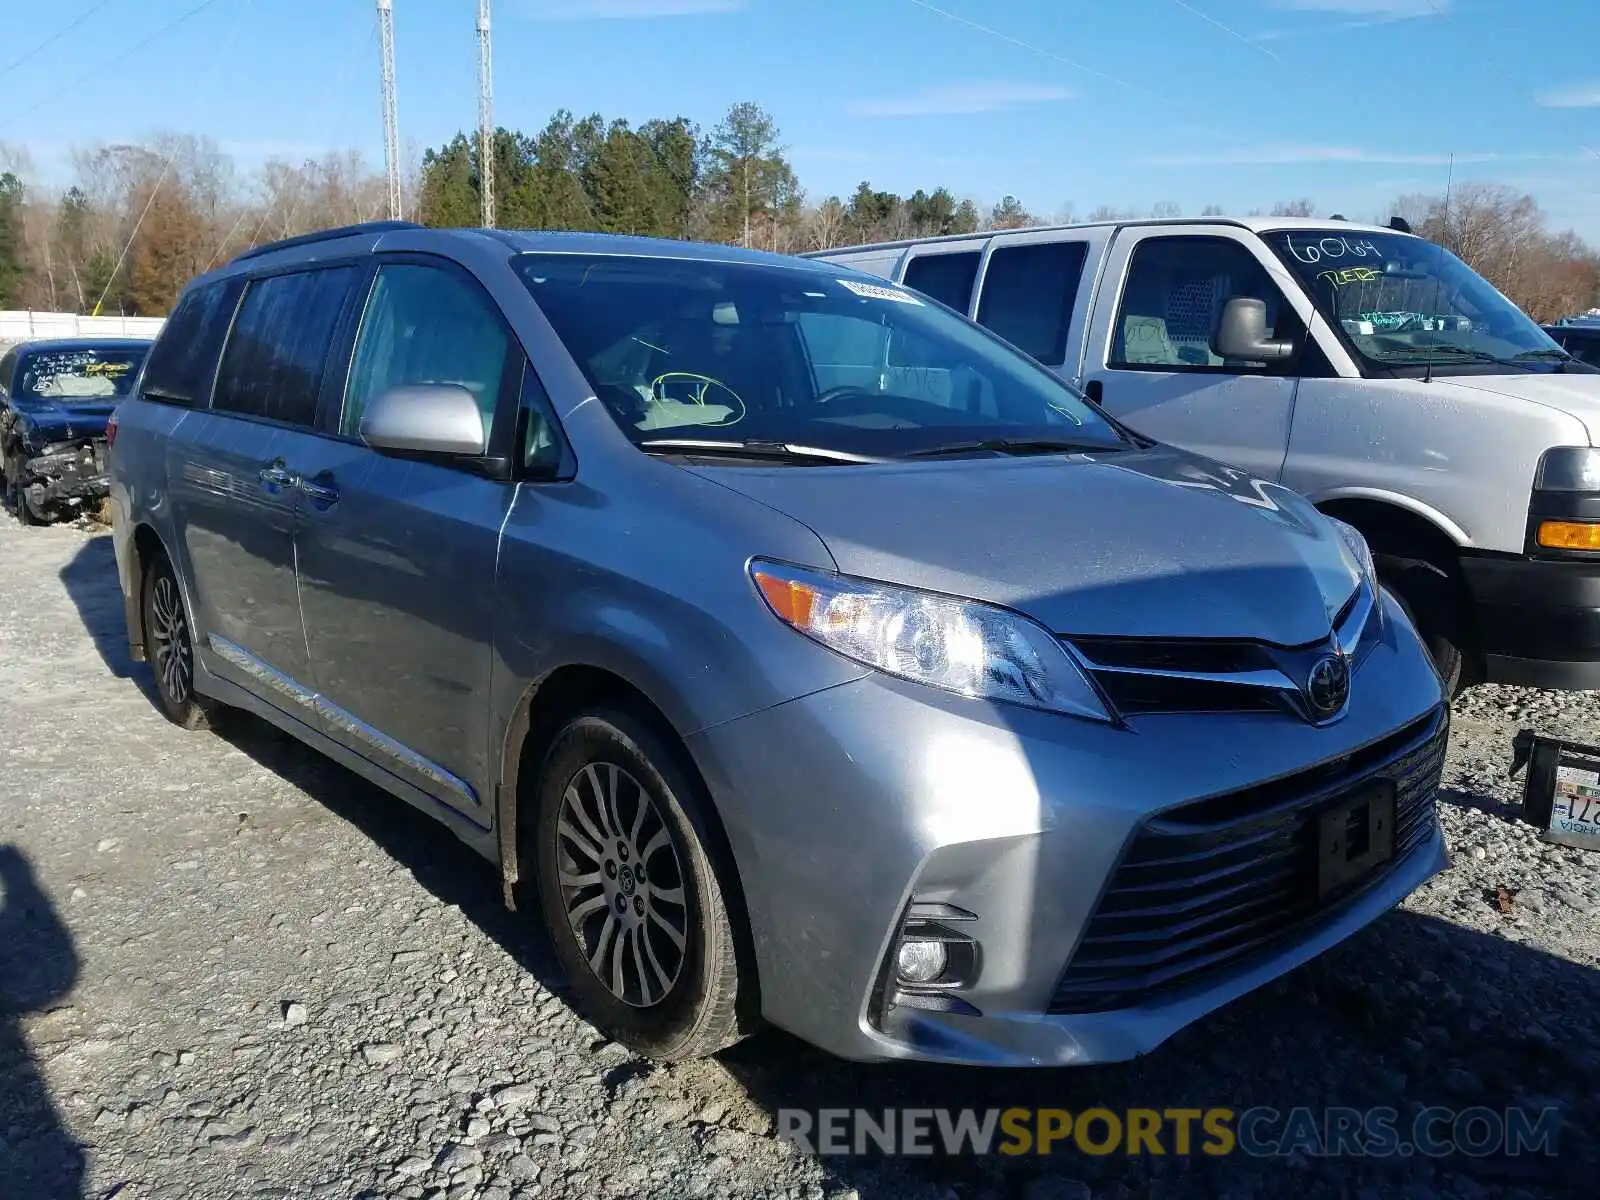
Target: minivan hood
[1139, 543]
[1577, 395]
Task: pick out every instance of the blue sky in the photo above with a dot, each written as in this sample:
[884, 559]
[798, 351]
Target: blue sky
[1124, 102]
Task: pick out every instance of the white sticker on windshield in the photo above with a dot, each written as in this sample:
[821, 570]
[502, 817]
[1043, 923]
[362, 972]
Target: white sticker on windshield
[871, 291]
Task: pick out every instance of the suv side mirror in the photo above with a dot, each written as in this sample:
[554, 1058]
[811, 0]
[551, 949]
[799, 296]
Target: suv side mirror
[433, 419]
[1242, 333]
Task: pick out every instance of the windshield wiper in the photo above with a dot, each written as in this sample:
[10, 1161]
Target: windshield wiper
[1016, 446]
[756, 448]
[1559, 359]
[1474, 354]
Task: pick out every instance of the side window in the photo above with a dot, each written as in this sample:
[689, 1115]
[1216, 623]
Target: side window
[8, 367]
[1028, 295]
[1585, 348]
[184, 359]
[1174, 294]
[946, 277]
[541, 439]
[278, 350]
[426, 325]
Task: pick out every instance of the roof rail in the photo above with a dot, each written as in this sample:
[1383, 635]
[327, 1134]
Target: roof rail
[325, 235]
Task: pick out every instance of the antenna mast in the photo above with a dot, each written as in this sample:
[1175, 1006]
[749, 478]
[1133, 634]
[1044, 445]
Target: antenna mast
[485, 115]
[391, 133]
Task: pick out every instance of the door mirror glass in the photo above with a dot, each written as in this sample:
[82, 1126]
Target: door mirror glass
[1242, 333]
[434, 419]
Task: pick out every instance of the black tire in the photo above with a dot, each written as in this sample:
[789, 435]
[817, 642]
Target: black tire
[14, 499]
[1431, 596]
[169, 646]
[610, 758]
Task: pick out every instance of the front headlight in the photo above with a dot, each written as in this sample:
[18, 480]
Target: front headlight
[1568, 469]
[1356, 543]
[961, 646]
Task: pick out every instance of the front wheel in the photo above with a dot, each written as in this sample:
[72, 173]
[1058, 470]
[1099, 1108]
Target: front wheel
[169, 645]
[1431, 598]
[629, 891]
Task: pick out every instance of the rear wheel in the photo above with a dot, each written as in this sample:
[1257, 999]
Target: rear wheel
[629, 891]
[1431, 597]
[169, 645]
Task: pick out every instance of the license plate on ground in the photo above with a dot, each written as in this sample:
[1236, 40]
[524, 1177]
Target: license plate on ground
[1575, 809]
[1354, 838]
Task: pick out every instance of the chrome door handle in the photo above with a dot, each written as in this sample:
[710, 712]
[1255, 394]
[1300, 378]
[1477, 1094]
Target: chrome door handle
[319, 494]
[276, 477]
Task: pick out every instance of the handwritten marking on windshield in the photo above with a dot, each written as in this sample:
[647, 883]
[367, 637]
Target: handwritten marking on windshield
[1331, 247]
[1351, 275]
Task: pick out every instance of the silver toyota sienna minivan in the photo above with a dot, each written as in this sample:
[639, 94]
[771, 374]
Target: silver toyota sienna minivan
[799, 650]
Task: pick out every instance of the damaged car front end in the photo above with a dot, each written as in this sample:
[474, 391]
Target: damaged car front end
[56, 400]
[55, 471]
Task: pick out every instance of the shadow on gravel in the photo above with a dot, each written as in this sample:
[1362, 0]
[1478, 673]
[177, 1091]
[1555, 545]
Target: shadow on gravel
[1414, 1012]
[91, 582]
[39, 1158]
[437, 861]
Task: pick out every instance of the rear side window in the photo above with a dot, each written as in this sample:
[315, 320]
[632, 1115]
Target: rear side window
[183, 361]
[946, 277]
[1028, 295]
[278, 351]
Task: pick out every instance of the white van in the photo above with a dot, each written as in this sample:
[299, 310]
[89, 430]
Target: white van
[1367, 368]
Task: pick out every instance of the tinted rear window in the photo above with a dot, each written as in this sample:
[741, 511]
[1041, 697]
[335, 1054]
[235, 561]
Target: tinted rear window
[184, 359]
[946, 277]
[278, 351]
[1028, 296]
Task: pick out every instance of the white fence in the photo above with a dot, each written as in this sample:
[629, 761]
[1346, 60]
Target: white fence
[17, 325]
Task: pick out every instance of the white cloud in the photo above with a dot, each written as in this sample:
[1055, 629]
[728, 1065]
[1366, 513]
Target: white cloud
[600, 10]
[1577, 95]
[1297, 155]
[956, 98]
[1388, 9]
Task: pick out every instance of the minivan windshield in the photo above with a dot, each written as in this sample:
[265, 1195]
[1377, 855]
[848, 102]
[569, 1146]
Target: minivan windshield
[763, 355]
[1399, 302]
[80, 374]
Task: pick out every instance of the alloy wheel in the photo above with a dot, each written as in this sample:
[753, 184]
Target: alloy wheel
[622, 884]
[169, 633]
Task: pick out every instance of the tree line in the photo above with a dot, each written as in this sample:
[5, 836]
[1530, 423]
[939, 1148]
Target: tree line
[134, 222]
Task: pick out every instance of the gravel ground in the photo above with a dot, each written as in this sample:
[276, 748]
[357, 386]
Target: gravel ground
[229, 967]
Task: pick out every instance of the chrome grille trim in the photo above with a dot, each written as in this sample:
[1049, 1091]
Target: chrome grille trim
[1263, 668]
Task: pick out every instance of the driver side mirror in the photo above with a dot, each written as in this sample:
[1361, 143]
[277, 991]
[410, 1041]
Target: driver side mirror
[429, 419]
[1242, 333]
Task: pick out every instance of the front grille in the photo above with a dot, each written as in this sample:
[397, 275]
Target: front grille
[1217, 881]
[1163, 675]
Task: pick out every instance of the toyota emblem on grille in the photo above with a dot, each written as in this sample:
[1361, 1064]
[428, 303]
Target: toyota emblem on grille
[1328, 686]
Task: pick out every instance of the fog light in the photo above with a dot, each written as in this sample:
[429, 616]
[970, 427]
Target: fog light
[921, 962]
[1569, 535]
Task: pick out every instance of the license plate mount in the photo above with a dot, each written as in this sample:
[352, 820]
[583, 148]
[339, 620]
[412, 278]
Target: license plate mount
[1354, 838]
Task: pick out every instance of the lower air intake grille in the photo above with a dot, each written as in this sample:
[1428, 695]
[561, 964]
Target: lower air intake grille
[1213, 882]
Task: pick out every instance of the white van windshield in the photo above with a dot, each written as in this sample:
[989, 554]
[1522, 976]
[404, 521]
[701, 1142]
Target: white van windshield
[1399, 302]
[747, 352]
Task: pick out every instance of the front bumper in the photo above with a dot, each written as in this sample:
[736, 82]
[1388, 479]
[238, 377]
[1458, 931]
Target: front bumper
[1538, 619]
[845, 807]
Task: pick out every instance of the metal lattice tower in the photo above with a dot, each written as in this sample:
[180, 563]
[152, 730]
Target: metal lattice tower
[485, 115]
[391, 131]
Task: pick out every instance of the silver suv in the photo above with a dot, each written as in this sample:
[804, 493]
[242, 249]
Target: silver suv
[796, 647]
